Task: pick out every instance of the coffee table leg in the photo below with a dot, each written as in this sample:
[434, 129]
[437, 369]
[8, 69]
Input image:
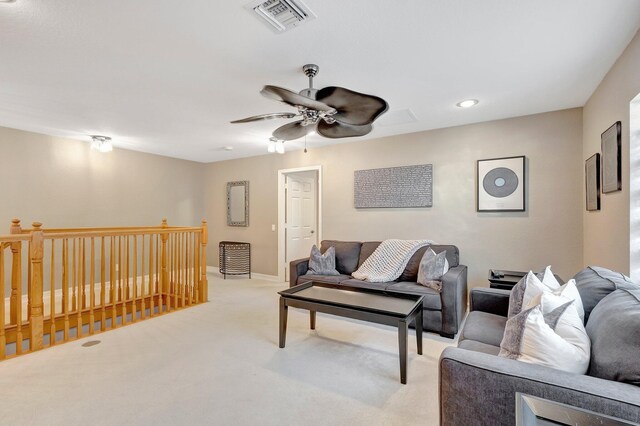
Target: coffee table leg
[403, 346]
[419, 331]
[283, 322]
[312, 319]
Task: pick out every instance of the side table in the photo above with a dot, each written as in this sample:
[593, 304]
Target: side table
[507, 281]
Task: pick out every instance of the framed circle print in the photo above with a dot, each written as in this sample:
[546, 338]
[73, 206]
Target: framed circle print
[501, 184]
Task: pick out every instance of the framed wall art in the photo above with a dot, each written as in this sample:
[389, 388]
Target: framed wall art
[393, 187]
[501, 184]
[592, 182]
[611, 141]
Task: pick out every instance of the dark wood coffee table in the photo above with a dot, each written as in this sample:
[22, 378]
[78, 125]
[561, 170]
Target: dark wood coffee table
[378, 306]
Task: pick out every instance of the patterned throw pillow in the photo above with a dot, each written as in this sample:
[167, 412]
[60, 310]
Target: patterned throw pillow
[556, 339]
[322, 264]
[432, 267]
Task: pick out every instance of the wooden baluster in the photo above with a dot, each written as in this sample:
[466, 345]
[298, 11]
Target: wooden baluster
[103, 288]
[152, 287]
[143, 308]
[80, 291]
[179, 281]
[52, 296]
[164, 278]
[36, 317]
[112, 284]
[196, 268]
[84, 275]
[174, 279]
[92, 286]
[204, 282]
[15, 304]
[185, 291]
[73, 276]
[3, 339]
[134, 314]
[158, 284]
[28, 284]
[125, 280]
[65, 287]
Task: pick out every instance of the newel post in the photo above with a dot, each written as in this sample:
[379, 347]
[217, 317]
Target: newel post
[204, 283]
[164, 273]
[36, 308]
[16, 273]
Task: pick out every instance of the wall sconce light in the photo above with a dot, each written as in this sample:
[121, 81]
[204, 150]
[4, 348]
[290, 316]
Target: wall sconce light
[101, 143]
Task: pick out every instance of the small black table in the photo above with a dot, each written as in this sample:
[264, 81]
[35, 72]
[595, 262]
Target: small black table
[507, 282]
[376, 306]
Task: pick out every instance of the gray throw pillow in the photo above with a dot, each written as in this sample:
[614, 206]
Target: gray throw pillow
[432, 267]
[614, 329]
[322, 264]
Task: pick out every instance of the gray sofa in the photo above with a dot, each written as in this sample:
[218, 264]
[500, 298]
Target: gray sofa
[478, 387]
[443, 311]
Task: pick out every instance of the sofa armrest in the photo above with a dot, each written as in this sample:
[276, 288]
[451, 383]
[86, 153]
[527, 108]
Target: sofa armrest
[490, 300]
[453, 299]
[478, 388]
[297, 268]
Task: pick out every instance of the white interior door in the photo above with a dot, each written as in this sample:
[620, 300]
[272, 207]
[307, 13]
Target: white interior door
[301, 216]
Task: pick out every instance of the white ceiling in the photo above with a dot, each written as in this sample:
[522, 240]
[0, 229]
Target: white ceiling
[166, 77]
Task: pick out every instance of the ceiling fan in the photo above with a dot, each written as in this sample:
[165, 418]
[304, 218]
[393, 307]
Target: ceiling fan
[333, 112]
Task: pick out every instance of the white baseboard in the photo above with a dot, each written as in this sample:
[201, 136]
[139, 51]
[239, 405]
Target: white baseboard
[213, 270]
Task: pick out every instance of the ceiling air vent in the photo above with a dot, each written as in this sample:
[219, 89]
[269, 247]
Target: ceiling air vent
[281, 15]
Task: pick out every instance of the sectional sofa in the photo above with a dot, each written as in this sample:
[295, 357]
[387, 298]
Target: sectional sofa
[479, 387]
[443, 311]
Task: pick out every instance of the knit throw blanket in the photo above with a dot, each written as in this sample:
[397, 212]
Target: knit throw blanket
[388, 261]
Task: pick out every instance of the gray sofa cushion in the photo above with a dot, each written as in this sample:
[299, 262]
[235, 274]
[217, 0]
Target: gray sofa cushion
[472, 345]
[367, 248]
[483, 327]
[331, 279]
[347, 254]
[594, 283]
[614, 329]
[365, 284]
[432, 299]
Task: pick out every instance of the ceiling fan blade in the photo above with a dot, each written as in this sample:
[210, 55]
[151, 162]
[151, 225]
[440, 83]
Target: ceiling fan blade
[266, 117]
[353, 108]
[339, 130]
[292, 98]
[292, 131]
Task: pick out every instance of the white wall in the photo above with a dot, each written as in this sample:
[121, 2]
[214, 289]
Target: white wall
[549, 232]
[607, 232]
[63, 183]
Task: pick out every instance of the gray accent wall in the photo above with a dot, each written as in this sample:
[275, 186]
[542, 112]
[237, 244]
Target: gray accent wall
[548, 232]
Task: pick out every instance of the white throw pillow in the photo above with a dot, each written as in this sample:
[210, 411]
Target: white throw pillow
[562, 316]
[524, 292]
[549, 279]
[529, 338]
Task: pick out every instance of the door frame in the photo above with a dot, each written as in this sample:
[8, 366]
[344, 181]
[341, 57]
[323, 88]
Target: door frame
[281, 212]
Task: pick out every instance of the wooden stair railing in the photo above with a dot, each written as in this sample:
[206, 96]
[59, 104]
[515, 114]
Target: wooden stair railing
[84, 281]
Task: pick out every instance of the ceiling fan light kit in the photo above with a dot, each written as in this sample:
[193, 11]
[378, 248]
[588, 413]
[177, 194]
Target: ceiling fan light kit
[333, 112]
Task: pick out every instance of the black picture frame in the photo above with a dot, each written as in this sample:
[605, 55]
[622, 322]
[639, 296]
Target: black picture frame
[514, 201]
[611, 147]
[592, 182]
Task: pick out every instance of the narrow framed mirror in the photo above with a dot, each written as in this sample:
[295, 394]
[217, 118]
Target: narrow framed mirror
[238, 203]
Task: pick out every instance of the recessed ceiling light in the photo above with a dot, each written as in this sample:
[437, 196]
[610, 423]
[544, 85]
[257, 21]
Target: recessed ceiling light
[228, 148]
[468, 103]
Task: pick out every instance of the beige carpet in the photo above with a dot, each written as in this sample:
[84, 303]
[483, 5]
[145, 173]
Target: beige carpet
[219, 363]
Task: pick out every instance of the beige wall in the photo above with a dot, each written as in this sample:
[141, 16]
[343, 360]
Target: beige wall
[62, 183]
[549, 232]
[606, 232]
